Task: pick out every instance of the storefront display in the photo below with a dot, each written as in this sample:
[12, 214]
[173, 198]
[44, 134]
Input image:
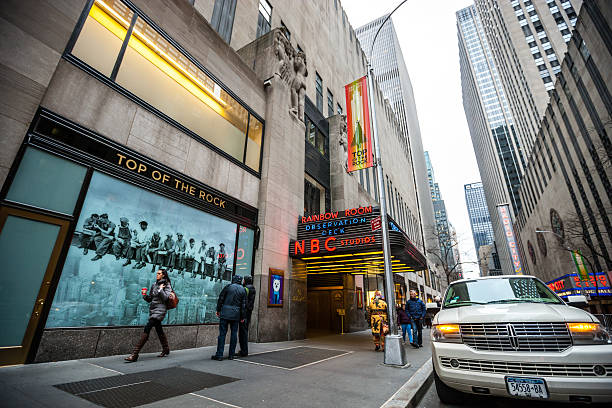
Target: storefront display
[123, 235]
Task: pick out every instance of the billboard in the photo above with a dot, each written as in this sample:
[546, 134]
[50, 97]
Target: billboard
[506, 221]
[360, 153]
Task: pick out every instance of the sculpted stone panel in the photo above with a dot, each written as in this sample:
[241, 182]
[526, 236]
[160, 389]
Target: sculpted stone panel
[292, 69]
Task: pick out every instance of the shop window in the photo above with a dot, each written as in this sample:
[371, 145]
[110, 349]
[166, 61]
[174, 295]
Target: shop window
[160, 75]
[36, 182]
[244, 254]
[123, 234]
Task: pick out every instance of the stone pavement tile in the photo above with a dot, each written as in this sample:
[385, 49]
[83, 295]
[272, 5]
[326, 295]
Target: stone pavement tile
[356, 379]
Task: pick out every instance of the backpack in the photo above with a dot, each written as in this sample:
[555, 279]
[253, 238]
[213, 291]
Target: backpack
[173, 300]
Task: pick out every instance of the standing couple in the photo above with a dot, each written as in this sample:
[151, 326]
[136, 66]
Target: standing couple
[410, 319]
[234, 309]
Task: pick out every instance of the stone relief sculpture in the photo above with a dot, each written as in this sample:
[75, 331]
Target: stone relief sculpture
[283, 51]
[291, 68]
[343, 142]
[298, 84]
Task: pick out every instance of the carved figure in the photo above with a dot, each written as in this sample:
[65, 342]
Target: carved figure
[344, 142]
[284, 52]
[298, 84]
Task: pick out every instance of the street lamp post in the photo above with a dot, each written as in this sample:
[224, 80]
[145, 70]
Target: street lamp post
[394, 351]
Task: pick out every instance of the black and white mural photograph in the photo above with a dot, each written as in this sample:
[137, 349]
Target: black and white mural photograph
[123, 236]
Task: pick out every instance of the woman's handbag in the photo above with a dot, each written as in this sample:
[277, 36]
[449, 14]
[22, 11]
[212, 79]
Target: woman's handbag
[172, 300]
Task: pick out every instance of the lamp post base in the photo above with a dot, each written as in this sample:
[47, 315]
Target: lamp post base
[395, 354]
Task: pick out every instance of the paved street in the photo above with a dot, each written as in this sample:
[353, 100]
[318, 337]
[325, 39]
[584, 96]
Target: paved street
[354, 377]
[430, 400]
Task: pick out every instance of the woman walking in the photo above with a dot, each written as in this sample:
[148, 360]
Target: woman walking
[157, 297]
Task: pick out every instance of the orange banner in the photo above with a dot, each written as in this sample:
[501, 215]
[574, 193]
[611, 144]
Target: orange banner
[360, 154]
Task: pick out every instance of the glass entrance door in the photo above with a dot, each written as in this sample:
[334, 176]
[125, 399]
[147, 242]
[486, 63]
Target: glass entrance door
[30, 245]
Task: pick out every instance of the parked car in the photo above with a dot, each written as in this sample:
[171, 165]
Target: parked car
[512, 336]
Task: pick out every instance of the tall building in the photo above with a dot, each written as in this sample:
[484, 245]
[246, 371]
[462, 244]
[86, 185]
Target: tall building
[163, 133]
[528, 39]
[567, 189]
[391, 73]
[480, 220]
[499, 154]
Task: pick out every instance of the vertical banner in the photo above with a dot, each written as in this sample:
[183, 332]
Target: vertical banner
[360, 153]
[580, 265]
[506, 220]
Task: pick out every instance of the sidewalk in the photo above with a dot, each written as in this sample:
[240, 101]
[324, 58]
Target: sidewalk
[330, 371]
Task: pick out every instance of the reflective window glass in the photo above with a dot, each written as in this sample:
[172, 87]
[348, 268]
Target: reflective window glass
[102, 35]
[25, 249]
[254, 143]
[244, 255]
[36, 182]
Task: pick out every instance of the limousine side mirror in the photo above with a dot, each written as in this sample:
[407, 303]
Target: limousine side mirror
[577, 300]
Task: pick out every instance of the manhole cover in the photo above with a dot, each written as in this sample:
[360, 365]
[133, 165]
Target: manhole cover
[145, 387]
[293, 358]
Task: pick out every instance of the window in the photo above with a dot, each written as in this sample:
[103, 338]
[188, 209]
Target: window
[286, 30]
[223, 18]
[319, 90]
[163, 77]
[339, 109]
[330, 103]
[315, 137]
[264, 19]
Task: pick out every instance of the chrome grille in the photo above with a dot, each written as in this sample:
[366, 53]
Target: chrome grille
[534, 337]
[525, 368]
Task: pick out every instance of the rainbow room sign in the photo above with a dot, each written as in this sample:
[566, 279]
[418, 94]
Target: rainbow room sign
[333, 231]
[358, 125]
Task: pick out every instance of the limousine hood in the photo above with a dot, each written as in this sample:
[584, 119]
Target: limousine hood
[512, 312]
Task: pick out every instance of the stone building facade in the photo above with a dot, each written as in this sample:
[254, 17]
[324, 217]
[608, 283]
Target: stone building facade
[566, 187]
[135, 136]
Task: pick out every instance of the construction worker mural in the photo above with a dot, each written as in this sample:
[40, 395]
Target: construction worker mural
[378, 319]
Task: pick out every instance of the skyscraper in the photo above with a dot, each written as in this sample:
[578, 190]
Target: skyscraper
[528, 40]
[480, 220]
[392, 75]
[499, 153]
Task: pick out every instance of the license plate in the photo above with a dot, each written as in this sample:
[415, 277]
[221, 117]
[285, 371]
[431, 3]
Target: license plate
[527, 387]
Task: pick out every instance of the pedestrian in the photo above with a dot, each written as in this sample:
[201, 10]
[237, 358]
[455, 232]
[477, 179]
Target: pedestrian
[243, 329]
[231, 309]
[403, 319]
[416, 310]
[157, 296]
[378, 320]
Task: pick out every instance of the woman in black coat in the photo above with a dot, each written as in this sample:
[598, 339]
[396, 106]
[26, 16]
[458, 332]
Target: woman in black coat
[157, 297]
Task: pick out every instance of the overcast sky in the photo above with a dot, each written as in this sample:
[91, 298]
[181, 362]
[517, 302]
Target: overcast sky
[427, 33]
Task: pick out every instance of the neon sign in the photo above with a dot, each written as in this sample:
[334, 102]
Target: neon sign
[504, 215]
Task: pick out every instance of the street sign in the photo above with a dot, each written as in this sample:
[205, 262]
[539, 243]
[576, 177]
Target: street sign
[376, 224]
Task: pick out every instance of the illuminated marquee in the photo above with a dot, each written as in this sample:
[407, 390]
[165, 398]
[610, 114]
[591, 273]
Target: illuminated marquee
[571, 284]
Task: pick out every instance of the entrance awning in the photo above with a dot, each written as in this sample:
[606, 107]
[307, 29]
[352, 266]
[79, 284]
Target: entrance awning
[350, 241]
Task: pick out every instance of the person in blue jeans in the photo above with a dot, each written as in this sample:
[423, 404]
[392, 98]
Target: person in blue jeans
[416, 310]
[231, 309]
[403, 319]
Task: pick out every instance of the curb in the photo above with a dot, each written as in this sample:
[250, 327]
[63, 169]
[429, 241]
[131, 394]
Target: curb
[409, 395]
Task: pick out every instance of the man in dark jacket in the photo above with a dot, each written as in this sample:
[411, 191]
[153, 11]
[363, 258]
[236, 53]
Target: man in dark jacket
[243, 334]
[231, 309]
[416, 309]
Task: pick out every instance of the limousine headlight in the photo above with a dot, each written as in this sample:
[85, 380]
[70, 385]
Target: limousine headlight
[446, 333]
[588, 333]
